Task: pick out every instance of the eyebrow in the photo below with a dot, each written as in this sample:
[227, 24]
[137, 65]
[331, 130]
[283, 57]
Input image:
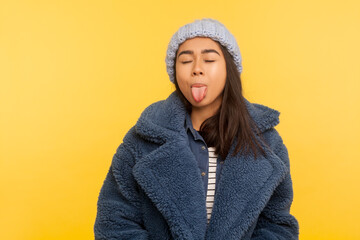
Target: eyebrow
[203, 51]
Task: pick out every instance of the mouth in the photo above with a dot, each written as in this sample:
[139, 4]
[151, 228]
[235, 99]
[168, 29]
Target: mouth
[198, 85]
[198, 91]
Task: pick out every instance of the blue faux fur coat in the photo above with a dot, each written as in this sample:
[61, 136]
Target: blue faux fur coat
[153, 189]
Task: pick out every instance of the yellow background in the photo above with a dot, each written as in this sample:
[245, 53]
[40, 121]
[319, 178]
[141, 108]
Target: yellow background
[76, 75]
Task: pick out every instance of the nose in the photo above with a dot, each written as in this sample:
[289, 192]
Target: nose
[197, 70]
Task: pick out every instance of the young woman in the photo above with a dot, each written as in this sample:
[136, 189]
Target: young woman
[205, 163]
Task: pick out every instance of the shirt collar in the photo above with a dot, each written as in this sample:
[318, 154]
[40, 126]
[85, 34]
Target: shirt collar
[189, 127]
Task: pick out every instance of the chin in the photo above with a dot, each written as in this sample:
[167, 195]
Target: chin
[199, 104]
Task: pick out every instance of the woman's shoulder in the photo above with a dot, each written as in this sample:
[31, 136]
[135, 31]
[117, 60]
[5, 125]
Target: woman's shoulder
[264, 116]
[276, 143]
[135, 141]
[272, 137]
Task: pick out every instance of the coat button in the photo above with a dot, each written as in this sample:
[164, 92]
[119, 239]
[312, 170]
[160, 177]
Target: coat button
[222, 162]
[203, 147]
[203, 174]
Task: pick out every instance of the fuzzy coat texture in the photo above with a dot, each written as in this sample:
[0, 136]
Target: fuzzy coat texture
[153, 189]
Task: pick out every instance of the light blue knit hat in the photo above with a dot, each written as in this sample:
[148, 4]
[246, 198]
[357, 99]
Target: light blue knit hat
[205, 27]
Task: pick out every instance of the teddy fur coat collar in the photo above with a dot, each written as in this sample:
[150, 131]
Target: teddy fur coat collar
[171, 179]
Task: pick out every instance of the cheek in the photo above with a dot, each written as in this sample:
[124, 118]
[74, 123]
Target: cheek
[218, 75]
[182, 84]
[182, 87]
[181, 70]
[218, 69]
[181, 78]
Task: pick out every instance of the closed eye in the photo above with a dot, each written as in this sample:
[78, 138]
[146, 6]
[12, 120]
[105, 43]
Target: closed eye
[205, 61]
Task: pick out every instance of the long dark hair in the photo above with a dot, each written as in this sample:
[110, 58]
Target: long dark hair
[232, 120]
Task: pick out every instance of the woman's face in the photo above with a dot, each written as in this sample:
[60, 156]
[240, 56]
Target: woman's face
[201, 72]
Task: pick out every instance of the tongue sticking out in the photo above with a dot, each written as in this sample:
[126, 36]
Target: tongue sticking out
[198, 93]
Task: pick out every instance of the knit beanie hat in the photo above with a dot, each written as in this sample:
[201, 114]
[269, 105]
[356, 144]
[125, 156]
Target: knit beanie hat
[205, 27]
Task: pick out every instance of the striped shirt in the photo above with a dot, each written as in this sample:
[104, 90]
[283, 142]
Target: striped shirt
[211, 182]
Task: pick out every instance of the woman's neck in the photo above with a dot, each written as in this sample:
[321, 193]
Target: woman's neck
[199, 115]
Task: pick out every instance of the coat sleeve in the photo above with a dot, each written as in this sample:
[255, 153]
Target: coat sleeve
[275, 221]
[118, 207]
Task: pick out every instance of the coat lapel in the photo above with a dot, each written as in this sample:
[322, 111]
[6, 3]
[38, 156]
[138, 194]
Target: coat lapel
[170, 176]
[244, 188]
[171, 179]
